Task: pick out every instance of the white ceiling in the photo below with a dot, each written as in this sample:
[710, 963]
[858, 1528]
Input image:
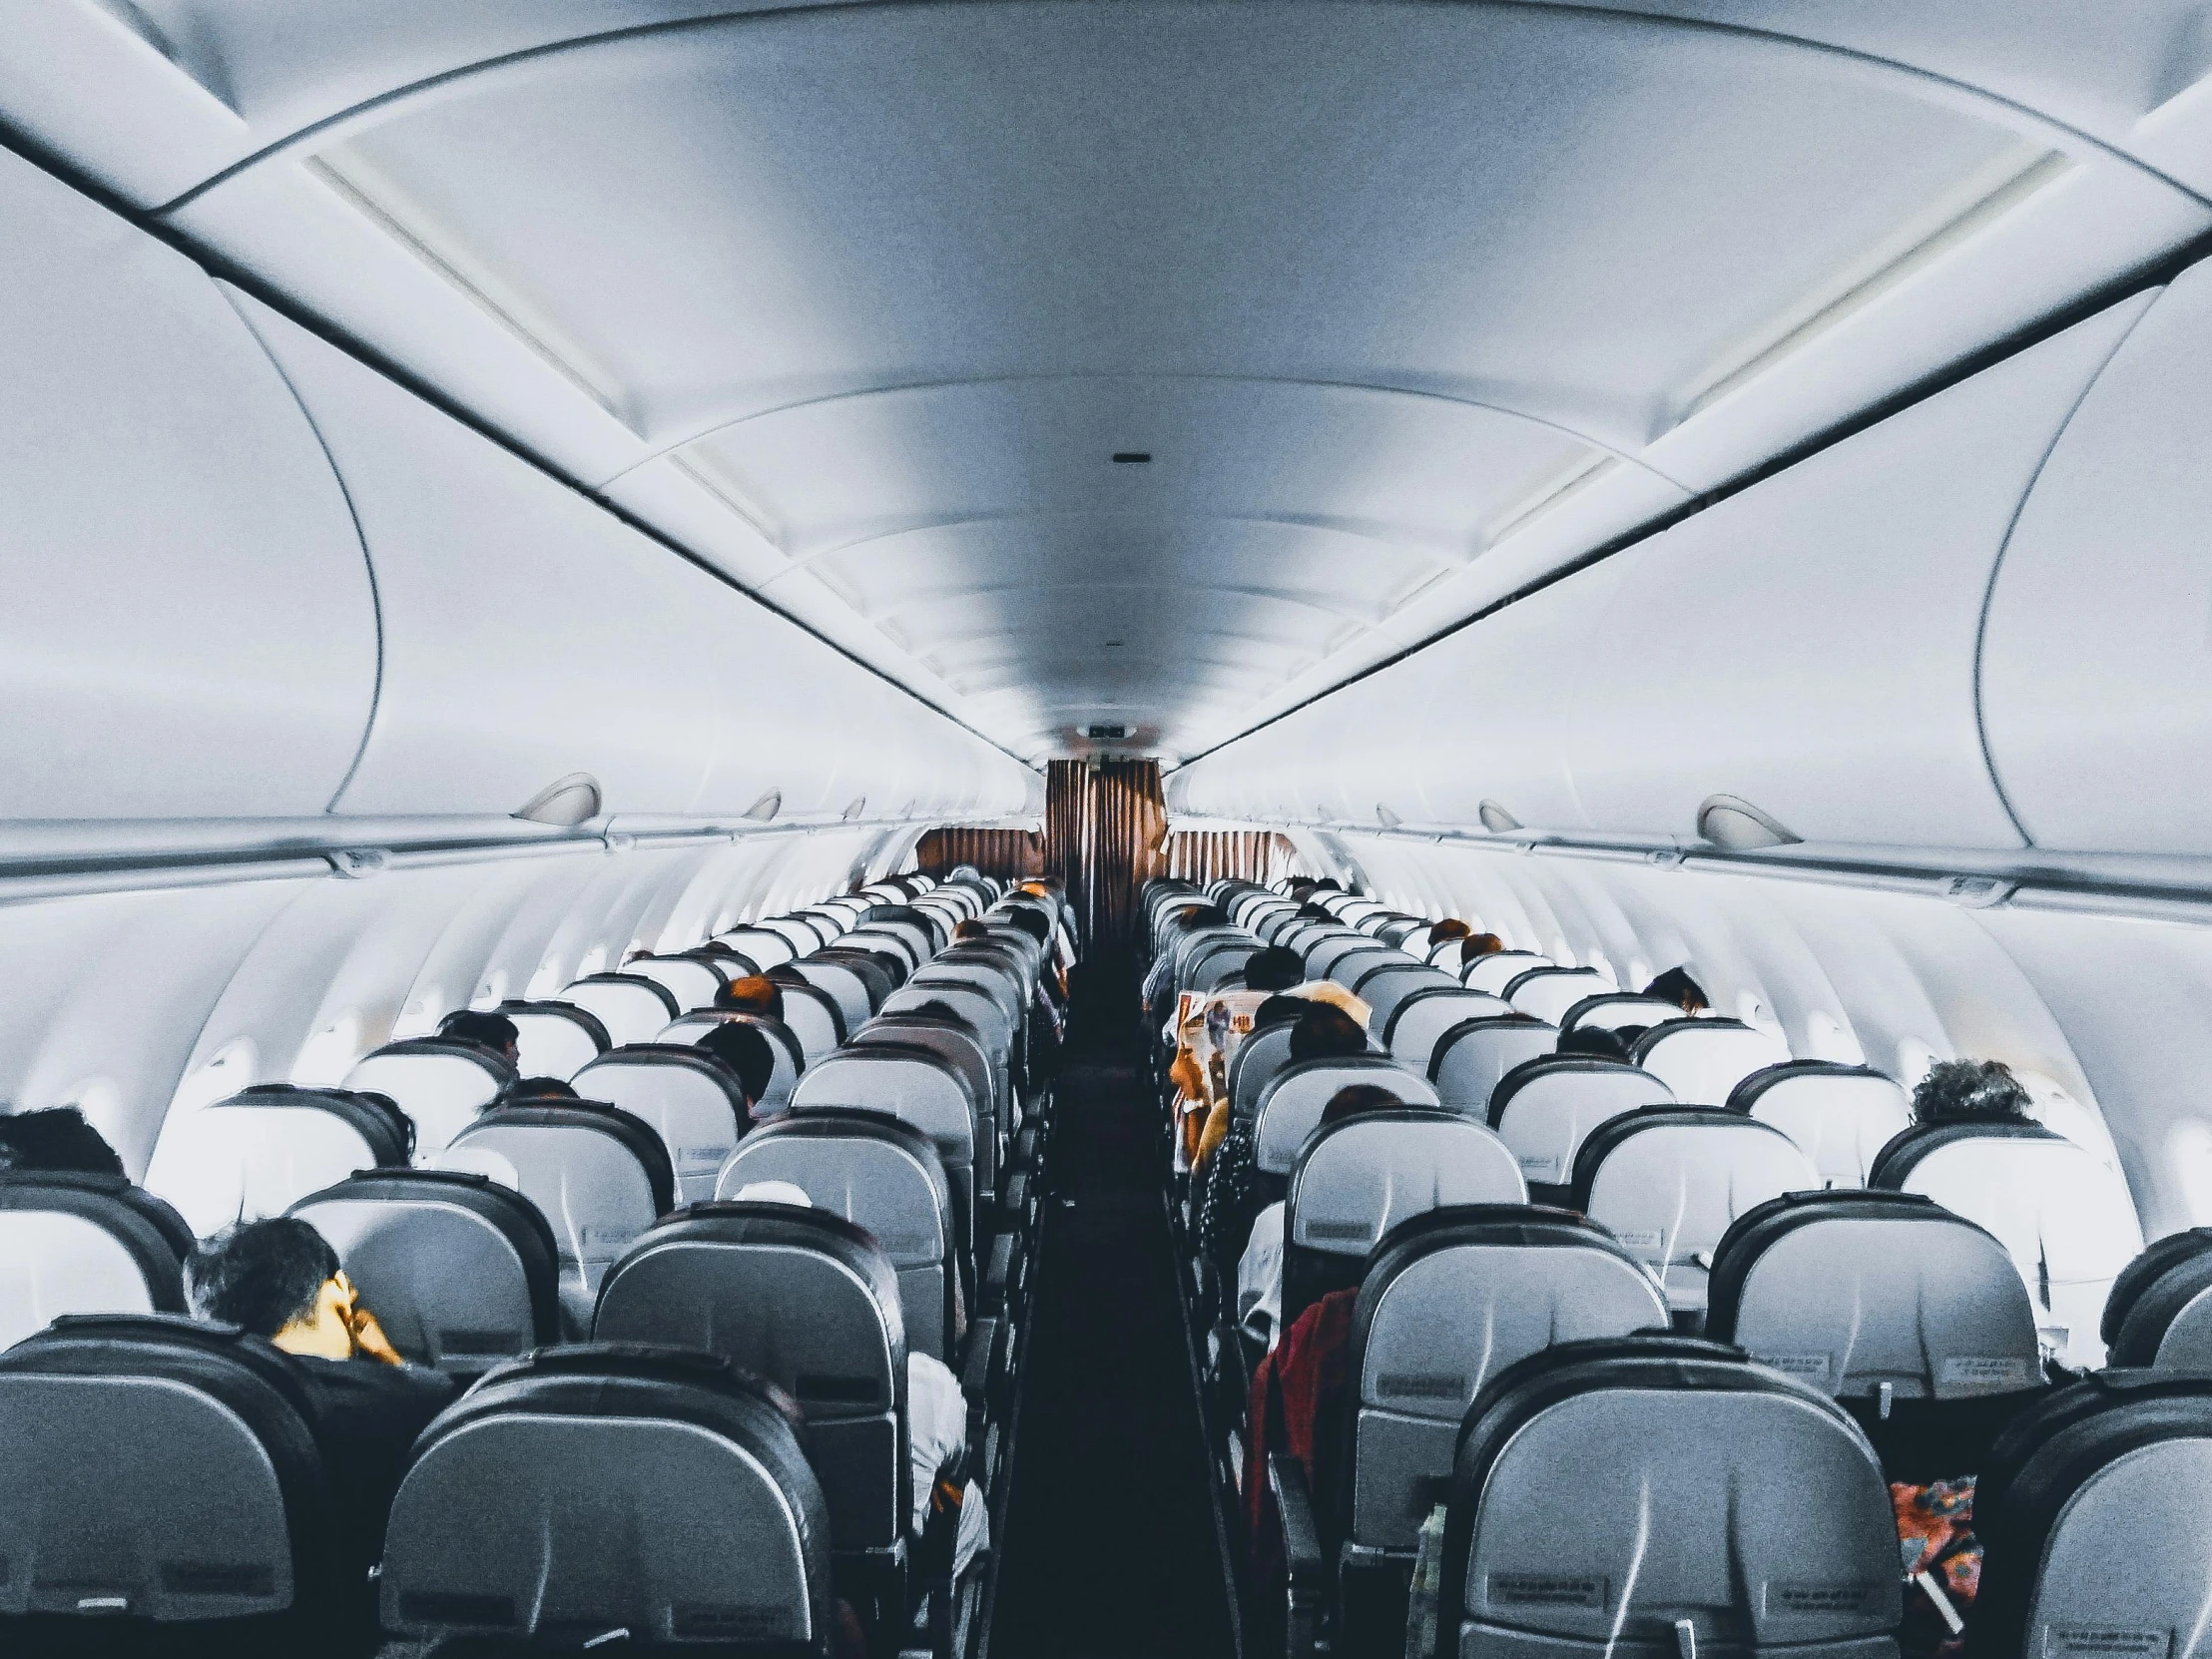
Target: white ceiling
[1408, 303]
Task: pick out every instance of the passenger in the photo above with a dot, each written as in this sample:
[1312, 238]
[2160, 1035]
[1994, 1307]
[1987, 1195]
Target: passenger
[1970, 1091]
[1276, 968]
[937, 1420]
[1594, 1039]
[1452, 927]
[742, 1051]
[972, 930]
[1676, 986]
[56, 1138]
[755, 993]
[1033, 925]
[493, 1033]
[1260, 1268]
[1159, 984]
[1477, 945]
[525, 1089]
[280, 1279]
[1215, 1128]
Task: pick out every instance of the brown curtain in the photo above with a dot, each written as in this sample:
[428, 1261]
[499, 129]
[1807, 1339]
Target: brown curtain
[1204, 856]
[1102, 833]
[1010, 855]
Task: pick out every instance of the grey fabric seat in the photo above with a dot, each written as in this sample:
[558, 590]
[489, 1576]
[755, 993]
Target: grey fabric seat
[1324, 953]
[763, 946]
[783, 1042]
[632, 1007]
[1840, 1116]
[1468, 1061]
[1546, 994]
[598, 1176]
[959, 1048]
[1659, 1495]
[1385, 987]
[691, 1100]
[1290, 1107]
[844, 984]
[807, 1301]
[72, 1242]
[693, 982]
[589, 1491]
[811, 1013]
[918, 1088]
[1702, 1060]
[1357, 1180]
[1612, 1011]
[555, 1039]
[1492, 973]
[440, 1085]
[1454, 1297]
[1425, 1014]
[2159, 1312]
[884, 1176]
[1546, 1107]
[461, 1271]
[1258, 1059]
[1671, 1180]
[253, 1154]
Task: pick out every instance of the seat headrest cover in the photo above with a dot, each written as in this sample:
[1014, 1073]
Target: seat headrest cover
[1470, 1059]
[1703, 1060]
[1545, 1108]
[1291, 1105]
[1358, 1179]
[2160, 1287]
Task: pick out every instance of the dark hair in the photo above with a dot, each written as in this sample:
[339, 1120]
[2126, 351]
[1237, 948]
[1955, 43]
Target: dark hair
[56, 1138]
[259, 1275]
[1314, 913]
[973, 928]
[1276, 968]
[1479, 945]
[1594, 1039]
[485, 1029]
[1203, 916]
[744, 1050]
[942, 1013]
[1359, 1097]
[1452, 927]
[1676, 986]
[534, 1088]
[1036, 925]
[1279, 1009]
[1967, 1091]
[754, 993]
[1325, 1032]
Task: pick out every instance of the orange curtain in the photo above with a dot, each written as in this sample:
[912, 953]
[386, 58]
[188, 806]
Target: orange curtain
[1010, 855]
[1103, 827]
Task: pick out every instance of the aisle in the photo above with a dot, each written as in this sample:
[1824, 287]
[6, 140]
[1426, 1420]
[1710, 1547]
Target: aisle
[1110, 1541]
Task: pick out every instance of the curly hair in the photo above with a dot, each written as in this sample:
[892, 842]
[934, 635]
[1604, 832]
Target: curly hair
[1964, 1091]
[259, 1275]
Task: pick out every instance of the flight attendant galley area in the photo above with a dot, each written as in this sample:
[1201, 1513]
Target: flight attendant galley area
[1042, 828]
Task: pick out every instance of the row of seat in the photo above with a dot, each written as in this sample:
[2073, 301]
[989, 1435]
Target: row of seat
[807, 1468]
[1921, 1334]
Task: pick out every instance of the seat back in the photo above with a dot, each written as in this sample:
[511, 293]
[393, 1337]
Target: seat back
[598, 1175]
[1420, 1018]
[1468, 1061]
[2090, 1512]
[1452, 1298]
[1385, 989]
[85, 1244]
[2066, 1218]
[1492, 973]
[555, 1039]
[588, 1490]
[811, 1013]
[959, 1048]
[842, 984]
[461, 1271]
[1652, 1495]
[805, 1300]
[1351, 966]
[1840, 1116]
[440, 1085]
[889, 940]
[693, 982]
[160, 1468]
[880, 970]
[1290, 1107]
[1324, 952]
[693, 1102]
[1546, 994]
[783, 1045]
[632, 1007]
[2159, 1311]
[1864, 1293]
[1358, 1179]
[253, 1154]
[1671, 1180]
[763, 946]
[1703, 1060]
[881, 1175]
[915, 1087]
[1616, 1010]
[1546, 1107]
[1258, 1059]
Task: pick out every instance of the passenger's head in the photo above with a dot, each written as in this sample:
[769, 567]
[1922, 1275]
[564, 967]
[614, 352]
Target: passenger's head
[1205, 915]
[1594, 1039]
[1276, 969]
[1323, 1032]
[495, 1033]
[1479, 945]
[973, 928]
[1034, 924]
[1279, 1010]
[1452, 927]
[278, 1279]
[525, 1089]
[1676, 986]
[1359, 1098]
[744, 1050]
[755, 993]
[58, 1138]
[1970, 1091]
[1313, 912]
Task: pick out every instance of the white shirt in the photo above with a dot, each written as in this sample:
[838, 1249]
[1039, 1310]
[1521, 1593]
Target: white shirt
[1260, 1277]
[936, 1429]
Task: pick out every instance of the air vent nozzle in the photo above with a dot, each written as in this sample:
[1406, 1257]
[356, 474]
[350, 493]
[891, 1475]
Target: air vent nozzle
[1739, 826]
[1496, 819]
[565, 802]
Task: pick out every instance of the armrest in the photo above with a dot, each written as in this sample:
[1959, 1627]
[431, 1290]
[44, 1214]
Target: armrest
[1309, 1573]
[992, 1296]
[1014, 1204]
[976, 1368]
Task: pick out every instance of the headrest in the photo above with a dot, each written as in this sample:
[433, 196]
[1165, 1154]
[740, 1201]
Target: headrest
[811, 1012]
[555, 1039]
[631, 1006]
[583, 1491]
[72, 1242]
[1410, 1030]
[761, 945]
[1258, 1059]
[2159, 1312]
[1492, 973]
[955, 1045]
[461, 1270]
[912, 1084]
[844, 984]
[1703, 1060]
[1385, 989]
[1291, 1105]
[877, 962]
[1358, 1179]
[783, 1042]
[596, 1171]
[439, 1083]
[1850, 1290]
[1611, 1011]
[1546, 994]
[1840, 1116]
[693, 984]
[1618, 1491]
[161, 1468]
[1468, 1061]
[1545, 1108]
[879, 1173]
[253, 1154]
[691, 1101]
